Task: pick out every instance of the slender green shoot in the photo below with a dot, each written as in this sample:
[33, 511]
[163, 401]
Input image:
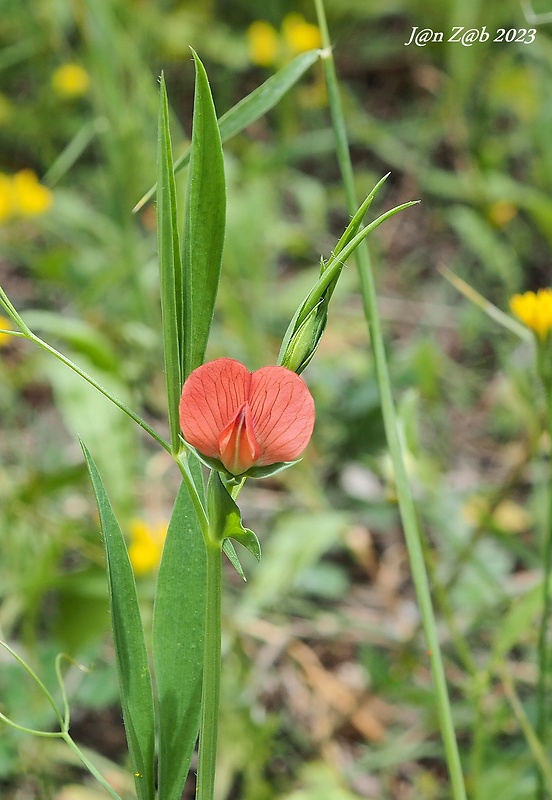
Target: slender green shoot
[543, 646]
[406, 503]
[535, 745]
[210, 693]
[27, 333]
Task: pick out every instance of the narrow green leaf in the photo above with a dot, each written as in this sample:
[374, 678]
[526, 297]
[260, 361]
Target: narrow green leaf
[232, 556]
[170, 268]
[130, 649]
[335, 264]
[178, 623]
[266, 96]
[320, 294]
[354, 225]
[205, 223]
[252, 107]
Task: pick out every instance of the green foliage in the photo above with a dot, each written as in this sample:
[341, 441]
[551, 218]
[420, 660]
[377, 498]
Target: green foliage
[178, 642]
[467, 131]
[130, 649]
[205, 224]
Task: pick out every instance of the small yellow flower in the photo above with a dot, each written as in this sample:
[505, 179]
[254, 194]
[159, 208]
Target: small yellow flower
[267, 46]
[263, 43]
[70, 80]
[6, 325]
[299, 34]
[29, 197]
[146, 545]
[534, 309]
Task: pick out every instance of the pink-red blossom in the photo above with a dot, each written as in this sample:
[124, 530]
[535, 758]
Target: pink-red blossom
[246, 419]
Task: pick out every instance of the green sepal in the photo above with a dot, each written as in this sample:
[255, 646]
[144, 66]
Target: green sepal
[269, 470]
[252, 472]
[225, 520]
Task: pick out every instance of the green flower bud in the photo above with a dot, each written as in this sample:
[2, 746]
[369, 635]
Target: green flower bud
[303, 342]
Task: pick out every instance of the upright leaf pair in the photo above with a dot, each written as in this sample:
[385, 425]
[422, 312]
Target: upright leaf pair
[188, 282]
[189, 279]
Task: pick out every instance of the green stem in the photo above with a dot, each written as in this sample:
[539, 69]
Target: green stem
[530, 735]
[89, 765]
[210, 692]
[406, 503]
[543, 650]
[106, 393]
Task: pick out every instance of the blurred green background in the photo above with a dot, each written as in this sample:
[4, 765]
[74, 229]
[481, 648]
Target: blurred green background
[326, 688]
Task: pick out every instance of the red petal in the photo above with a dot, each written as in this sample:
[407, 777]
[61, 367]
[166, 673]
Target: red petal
[283, 414]
[211, 397]
[238, 447]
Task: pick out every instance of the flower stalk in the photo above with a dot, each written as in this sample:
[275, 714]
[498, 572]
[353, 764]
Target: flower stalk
[210, 693]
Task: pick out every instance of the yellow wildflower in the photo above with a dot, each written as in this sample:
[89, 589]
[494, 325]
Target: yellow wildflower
[146, 545]
[70, 80]
[6, 325]
[299, 34]
[267, 46]
[263, 43]
[29, 197]
[534, 309]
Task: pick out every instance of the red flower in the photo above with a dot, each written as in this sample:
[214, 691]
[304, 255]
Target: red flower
[245, 419]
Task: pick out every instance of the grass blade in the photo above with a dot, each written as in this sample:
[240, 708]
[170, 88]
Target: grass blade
[205, 223]
[130, 649]
[178, 623]
[251, 108]
[407, 508]
[170, 268]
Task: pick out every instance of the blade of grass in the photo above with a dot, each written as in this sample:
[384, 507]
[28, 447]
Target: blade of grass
[539, 753]
[486, 306]
[130, 649]
[205, 223]
[178, 621]
[170, 268]
[251, 108]
[406, 502]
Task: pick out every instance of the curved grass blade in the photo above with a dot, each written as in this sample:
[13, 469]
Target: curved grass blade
[205, 223]
[170, 268]
[251, 108]
[178, 623]
[130, 649]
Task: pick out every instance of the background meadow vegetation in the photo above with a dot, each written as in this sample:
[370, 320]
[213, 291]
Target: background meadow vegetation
[326, 688]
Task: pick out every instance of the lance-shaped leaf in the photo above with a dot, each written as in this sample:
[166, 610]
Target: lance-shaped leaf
[170, 268]
[205, 223]
[252, 107]
[130, 649]
[178, 623]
